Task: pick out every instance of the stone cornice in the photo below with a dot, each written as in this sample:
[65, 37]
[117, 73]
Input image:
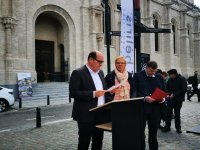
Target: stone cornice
[168, 3]
[183, 6]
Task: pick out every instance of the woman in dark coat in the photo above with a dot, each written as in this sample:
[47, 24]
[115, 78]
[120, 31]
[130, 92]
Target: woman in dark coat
[120, 76]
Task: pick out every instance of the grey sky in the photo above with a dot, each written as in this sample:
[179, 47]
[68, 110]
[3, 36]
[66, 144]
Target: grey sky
[197, 2]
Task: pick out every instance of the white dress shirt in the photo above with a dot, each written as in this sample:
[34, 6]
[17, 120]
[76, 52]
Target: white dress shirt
[98, 85]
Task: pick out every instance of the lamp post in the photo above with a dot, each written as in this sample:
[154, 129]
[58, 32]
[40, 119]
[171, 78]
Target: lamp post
[138, 33]
[107, 31]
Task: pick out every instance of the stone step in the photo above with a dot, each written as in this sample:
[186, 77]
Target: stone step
[51, 95]
[50, 98]
[56, 90]
[50, 84]
[51, 91]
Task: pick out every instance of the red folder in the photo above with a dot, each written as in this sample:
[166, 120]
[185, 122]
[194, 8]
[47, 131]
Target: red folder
[159, 94]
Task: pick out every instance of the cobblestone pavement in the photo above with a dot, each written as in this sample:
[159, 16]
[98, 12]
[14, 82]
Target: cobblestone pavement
[63, 135]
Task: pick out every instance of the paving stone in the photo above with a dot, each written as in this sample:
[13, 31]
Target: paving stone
[64, 135]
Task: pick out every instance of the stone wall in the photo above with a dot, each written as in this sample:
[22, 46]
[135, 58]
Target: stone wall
[81, 31]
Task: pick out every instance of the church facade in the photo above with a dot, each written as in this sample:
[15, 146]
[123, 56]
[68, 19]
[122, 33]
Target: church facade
[51, 38]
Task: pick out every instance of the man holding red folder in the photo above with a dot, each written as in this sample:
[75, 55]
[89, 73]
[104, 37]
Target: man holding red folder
[145, 83]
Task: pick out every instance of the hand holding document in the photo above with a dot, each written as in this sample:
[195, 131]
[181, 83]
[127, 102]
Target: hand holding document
[159, 94]
[115, 86]
[99, 93]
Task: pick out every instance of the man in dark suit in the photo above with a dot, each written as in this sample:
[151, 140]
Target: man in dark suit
[87, 87]
[176, 87]
[145, 82]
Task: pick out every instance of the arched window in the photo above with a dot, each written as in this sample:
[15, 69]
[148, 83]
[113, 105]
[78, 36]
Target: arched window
[155, 23]
[174, 36]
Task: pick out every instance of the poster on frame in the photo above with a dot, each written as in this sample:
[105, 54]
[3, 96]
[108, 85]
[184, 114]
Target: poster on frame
[25, 85]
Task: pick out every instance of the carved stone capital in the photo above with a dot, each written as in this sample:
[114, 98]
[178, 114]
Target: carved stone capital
[9, 22]
[99, 36]
[96, 9]
[197, 15]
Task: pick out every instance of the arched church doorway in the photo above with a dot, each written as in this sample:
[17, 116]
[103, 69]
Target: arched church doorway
[49, 48]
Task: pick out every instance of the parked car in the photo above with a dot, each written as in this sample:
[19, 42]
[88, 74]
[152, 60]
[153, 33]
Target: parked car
[6, 98]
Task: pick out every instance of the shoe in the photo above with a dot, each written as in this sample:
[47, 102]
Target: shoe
[178, 131]
[166, 129]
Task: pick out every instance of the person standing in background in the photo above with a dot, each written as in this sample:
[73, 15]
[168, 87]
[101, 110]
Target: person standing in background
[195, 87]
[176, 87]
[120, 76]
[165, 77]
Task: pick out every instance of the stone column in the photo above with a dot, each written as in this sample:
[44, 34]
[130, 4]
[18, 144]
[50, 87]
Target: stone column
[197, 42]
[93, 43]
[100, 41]
[184, 42]
[85, 25]
[96, 30]
[8, 23]
[95, 2]
[147, 19]
[167, 39]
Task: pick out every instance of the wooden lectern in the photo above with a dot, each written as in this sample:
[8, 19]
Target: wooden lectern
[126, 123]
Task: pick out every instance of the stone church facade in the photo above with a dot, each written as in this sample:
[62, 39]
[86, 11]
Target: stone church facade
[54, 37]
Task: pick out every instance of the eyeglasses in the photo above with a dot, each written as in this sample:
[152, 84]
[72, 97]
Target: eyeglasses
[99, 61]
[120, 63]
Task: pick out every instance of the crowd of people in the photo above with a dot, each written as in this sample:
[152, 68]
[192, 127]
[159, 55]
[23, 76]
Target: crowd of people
[88, 88]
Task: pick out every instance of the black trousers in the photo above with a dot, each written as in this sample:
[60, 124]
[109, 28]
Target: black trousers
[86, 131]
[195, 91]
[176, 106]
[152, 118]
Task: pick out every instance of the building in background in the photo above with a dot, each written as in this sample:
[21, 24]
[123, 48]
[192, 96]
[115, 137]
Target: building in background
[50, 38]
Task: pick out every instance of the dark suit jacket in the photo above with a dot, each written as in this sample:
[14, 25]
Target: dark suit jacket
[142, 85]
[81, 88]
[110, 81]
[178, 87]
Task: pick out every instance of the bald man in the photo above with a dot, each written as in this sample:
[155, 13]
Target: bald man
[87, 87]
